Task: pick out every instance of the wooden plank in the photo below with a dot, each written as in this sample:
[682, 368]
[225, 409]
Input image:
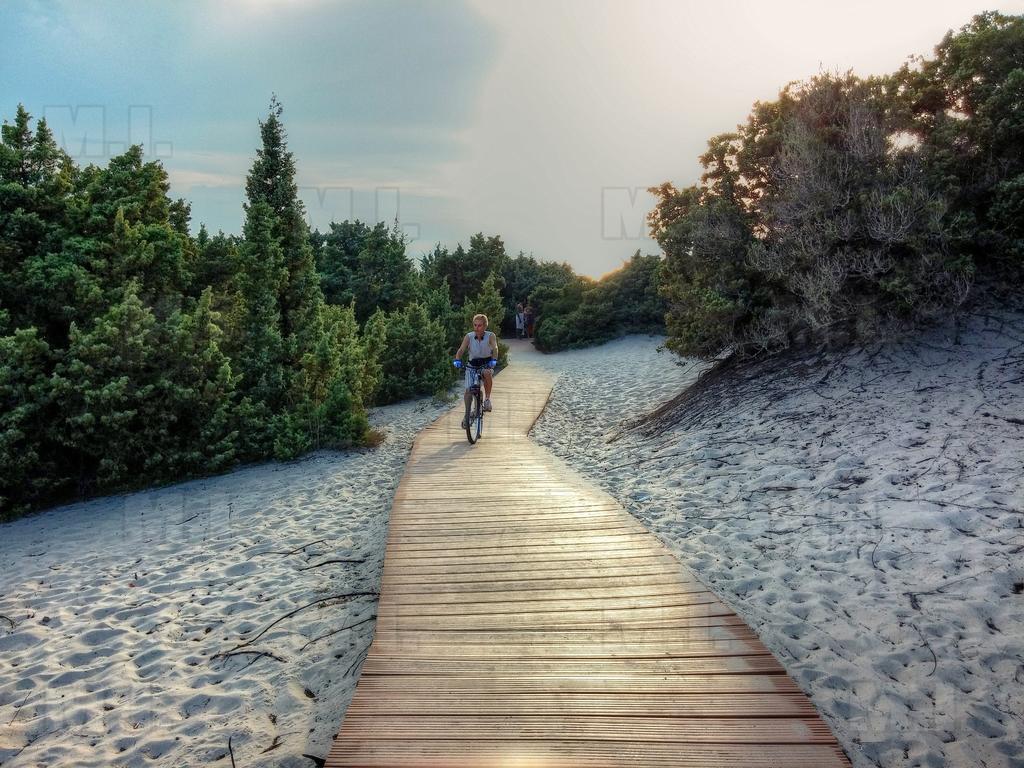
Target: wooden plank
[494, 524]
[595, 575]
[533, 604]
[472, 753]
[653, 650]
[567, 555]
[573, 595]
[621, 582]
[712, 730]
[513, 514]
[702, 604]
[539, 624]
[586, 563]
[521, 685]
[725, 628]
[402, 541]
[720, 628]
[517, 546]
[754, 705]
[379, 664]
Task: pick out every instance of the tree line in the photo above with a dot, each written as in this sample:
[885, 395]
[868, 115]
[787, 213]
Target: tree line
[849, 207]
[134, 352]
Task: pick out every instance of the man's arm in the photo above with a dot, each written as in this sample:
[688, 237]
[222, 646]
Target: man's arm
[462, 348]
[494, 345]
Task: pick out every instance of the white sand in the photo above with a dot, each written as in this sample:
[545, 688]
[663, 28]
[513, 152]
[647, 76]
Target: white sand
[860, 524]
[113, 610]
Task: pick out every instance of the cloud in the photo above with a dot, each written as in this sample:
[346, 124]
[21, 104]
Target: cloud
[186, 179]
[375, 94]
[542, 122]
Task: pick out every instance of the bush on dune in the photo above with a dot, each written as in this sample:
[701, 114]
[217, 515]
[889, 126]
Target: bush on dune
[582, 312]
[850, 207]
[414, 358]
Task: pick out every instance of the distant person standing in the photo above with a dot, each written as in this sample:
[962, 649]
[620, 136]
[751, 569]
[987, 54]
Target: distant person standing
[520, 321]
[528, 317]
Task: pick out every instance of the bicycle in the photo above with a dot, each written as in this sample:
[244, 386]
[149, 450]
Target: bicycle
[474, 421]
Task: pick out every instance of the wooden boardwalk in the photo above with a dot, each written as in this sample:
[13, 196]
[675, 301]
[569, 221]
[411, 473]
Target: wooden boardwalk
[526, 619]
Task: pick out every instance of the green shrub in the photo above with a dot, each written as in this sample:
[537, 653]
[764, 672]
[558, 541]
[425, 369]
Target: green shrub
[584, 312]
[414, 359]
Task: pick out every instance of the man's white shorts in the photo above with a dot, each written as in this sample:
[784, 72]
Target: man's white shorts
[469, 375]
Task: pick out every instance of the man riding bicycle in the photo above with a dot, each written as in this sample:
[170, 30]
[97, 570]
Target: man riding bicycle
[483, 351]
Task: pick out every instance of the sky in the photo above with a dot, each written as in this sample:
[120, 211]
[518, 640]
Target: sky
[541, 122]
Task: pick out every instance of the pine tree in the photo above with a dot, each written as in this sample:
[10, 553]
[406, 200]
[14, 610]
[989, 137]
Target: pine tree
[40, 285]
[332, 381]
[31, 468]
[261, 273]
[107, 392]
[272, 180]
[357, 362]
[383, 277]
[15, 156]
[487, 302]
[216, 261]
[414, 358]
[437, 302]
[199, 388]
[128, 233]
[337, 254]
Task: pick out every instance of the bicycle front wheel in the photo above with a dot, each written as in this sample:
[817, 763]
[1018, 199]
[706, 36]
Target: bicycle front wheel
[472, 414]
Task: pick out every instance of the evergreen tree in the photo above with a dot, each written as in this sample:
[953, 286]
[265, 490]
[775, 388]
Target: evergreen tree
[367, 265]
[108, 396]
[488, 302]
[260, 275]
[332, 378]
[355, 364]
[965, 105]
[337, 255]
[16, 158]
[216, 261]
[32, 470]
[383, 277]
[198, 385]
[415, 359]
[272, 180]
[438, 304]
[465, 270]
[40, 285]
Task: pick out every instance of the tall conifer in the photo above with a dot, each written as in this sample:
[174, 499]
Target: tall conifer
[272, 180]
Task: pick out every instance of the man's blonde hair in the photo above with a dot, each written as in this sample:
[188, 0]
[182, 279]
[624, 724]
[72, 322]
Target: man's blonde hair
[480, 317]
